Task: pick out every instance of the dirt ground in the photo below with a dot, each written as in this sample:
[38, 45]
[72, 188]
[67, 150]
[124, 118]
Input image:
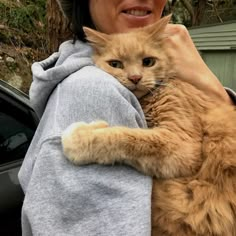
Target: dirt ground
[15, 65]
[22, 40]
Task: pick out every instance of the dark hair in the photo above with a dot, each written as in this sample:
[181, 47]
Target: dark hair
[80, 17]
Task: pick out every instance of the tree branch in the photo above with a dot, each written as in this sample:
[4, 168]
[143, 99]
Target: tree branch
[188, 6]
[217, 13]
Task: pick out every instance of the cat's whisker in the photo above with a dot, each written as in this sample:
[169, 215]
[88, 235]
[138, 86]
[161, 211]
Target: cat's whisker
[158, 84]
[162, 83]
[150, 90]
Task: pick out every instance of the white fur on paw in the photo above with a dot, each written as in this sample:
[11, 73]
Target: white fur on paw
[99, 124]
[67, 139]
[76, 141]
[71, 128]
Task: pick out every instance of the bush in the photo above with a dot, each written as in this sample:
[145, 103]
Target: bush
[26, 16]
[23, 23]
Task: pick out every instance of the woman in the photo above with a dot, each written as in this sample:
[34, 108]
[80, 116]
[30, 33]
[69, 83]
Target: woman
[63, 199]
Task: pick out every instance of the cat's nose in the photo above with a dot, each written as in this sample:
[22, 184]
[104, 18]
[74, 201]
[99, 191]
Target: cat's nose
[135, 78]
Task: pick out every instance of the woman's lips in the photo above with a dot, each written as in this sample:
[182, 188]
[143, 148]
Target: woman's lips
[136, 16]
[137, 12]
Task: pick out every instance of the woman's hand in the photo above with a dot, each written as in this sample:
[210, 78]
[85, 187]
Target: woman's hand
[188, 64]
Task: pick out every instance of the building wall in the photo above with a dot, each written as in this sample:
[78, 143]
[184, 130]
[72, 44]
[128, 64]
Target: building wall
[223, 65]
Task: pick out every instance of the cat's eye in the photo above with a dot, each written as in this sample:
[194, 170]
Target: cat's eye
[116, 64]
[149, 61]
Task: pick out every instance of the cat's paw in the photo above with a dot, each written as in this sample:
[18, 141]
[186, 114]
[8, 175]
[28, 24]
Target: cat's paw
[77, 140]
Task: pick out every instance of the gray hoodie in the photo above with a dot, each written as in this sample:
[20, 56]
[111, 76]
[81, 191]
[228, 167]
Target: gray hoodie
[64, 199]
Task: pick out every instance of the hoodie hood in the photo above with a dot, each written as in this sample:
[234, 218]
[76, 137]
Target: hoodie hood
[70, 58]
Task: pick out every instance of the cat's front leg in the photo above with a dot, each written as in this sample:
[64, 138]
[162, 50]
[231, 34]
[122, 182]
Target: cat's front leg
[82, 143]
[155, 152]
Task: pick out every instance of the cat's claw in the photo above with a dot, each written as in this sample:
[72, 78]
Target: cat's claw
[76, 140]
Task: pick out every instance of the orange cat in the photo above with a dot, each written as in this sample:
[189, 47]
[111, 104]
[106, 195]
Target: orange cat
[189, 148]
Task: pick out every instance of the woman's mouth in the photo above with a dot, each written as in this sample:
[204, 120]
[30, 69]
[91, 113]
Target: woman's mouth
[137, 12]
[137, 16]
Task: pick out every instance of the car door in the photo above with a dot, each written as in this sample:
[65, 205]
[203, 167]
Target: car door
[17, 126]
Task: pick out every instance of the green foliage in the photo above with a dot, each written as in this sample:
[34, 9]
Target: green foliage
[23, 23]
[25, 17]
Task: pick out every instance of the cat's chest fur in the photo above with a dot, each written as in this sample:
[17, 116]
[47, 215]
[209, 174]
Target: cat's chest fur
[176, 104]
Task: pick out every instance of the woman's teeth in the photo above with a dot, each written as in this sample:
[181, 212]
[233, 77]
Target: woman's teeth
[137, 12]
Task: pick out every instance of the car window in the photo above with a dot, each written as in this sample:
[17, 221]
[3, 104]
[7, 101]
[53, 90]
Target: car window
[16, 132]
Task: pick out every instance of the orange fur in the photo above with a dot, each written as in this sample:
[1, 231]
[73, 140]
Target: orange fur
[189, 148]
[203, 203]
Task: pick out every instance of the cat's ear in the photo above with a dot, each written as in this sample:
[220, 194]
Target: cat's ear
[157, 28]
[96, 39]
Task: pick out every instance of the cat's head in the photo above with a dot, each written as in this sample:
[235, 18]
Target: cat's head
[135, 58]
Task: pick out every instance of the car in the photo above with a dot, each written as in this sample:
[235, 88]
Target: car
[18, 123]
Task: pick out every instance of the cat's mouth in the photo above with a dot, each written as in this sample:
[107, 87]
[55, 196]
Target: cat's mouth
[139, 90]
